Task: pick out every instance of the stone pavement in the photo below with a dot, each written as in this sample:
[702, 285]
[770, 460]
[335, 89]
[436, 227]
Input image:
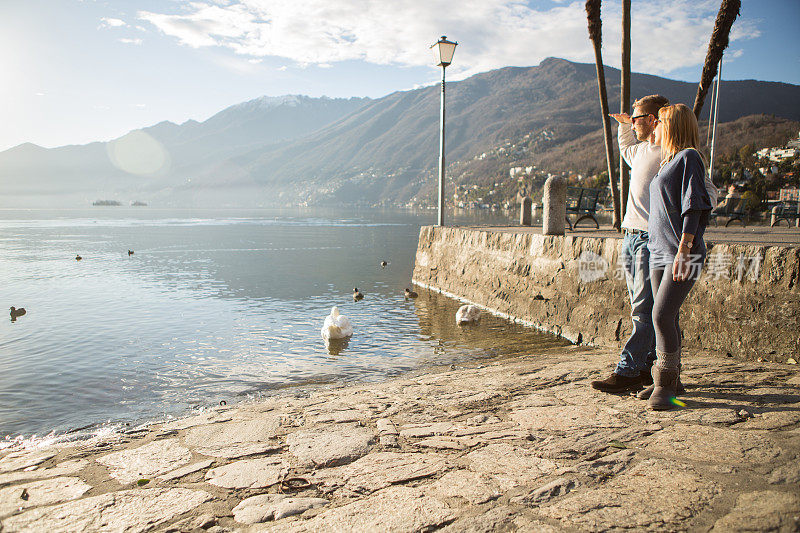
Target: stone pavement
[514, 444]
[735, 234]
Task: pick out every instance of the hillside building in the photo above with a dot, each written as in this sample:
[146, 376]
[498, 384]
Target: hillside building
[777, 155]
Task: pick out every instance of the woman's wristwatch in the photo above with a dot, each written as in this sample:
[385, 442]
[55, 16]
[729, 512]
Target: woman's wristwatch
[687, 245]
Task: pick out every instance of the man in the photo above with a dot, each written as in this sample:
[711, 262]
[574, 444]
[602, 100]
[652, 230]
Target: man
[644, 158]
[734, 194]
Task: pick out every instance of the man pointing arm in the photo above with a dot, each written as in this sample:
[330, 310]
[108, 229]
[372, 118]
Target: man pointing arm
[635, 136]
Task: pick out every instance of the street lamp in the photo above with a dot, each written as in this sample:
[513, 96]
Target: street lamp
[443, 51]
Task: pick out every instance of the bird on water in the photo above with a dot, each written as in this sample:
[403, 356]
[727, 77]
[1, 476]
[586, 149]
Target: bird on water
[17, 312]
[130, 253]
[468, 314]
[78, 258]
[383, 264]
[357, 295]
[410, 293]
[336, 326]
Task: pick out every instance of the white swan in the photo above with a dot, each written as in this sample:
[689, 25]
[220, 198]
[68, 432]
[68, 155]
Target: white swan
[467, 314]
[336, 326]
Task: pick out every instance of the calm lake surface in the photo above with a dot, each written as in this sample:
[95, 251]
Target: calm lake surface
[213, 305]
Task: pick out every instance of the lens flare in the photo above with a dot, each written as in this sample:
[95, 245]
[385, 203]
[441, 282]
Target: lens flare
[677, 402]
[139, 153]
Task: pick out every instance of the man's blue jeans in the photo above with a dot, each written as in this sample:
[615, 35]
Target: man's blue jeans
[640, 350]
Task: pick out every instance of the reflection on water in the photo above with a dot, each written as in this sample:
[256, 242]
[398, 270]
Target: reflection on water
[337, 346]
[213, 306]
[491, 337]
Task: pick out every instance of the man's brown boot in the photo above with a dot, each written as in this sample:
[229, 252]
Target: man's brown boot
[618, 383]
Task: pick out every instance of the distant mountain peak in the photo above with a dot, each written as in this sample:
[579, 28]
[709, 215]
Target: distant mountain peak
[27, 148]
[547, 61]
[265, 103]
[268, 102]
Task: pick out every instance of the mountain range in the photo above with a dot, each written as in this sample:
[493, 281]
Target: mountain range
[296, 149]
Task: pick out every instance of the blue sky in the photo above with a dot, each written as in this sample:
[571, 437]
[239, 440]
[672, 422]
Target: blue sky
[77, 71]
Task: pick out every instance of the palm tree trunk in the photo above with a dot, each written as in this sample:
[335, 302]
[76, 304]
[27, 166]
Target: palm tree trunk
[728, 11]
[595, 34]
[625, 98]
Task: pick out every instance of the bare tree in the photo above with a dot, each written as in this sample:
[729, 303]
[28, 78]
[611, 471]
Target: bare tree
[625, 97]
[728, 11]
[595, 34]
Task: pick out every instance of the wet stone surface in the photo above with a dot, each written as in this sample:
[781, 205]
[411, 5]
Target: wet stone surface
[519, 444]
[24, 459]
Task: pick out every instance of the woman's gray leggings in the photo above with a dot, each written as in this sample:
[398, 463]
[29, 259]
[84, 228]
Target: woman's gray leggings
[668, 296]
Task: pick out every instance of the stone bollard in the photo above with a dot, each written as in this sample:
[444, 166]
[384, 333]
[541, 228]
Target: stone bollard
[554, 213]
[774, 215]
[525, 211]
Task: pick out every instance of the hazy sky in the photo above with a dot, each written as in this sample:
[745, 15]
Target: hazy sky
[76, 71]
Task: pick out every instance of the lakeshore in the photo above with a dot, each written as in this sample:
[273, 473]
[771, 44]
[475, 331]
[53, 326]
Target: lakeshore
[521, 443]
[214, 305]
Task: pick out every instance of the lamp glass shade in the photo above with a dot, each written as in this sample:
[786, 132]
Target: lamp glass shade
[443, 51]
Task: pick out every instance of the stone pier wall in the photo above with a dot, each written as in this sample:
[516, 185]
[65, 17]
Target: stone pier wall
[746, 303]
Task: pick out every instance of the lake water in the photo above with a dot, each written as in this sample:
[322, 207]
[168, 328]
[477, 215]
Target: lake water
[213, 305]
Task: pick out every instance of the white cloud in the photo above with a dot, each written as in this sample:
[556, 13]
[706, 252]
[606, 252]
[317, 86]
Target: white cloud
[730, 55]
[745, 29]
[107, 22]
[666, 34]
[130, 41]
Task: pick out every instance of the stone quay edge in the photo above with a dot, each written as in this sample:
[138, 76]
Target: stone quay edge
[746, 303]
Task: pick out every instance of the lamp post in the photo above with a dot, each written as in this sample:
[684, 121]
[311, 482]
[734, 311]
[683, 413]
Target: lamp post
[443, 51]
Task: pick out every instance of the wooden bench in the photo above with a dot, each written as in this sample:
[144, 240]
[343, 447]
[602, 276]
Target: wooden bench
[785, 211]
[583, 203]
[732, 209]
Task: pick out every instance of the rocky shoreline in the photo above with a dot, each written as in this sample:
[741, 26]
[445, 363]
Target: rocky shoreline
[515, 444]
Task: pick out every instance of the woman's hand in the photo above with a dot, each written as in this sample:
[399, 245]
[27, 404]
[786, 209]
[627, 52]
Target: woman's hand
[682, 265]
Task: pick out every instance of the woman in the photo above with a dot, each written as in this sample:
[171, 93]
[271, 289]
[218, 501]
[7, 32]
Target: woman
[679, 209]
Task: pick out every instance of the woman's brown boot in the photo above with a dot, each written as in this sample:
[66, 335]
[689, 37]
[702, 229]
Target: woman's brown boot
[665, 382]
[645, 393]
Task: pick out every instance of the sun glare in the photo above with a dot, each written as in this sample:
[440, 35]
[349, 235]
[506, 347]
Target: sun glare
[139, 153]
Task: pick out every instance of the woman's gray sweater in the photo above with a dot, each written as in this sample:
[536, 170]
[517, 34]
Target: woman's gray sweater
[679, 203]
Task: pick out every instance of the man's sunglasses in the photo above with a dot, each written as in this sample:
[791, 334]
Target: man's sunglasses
[633, 119]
